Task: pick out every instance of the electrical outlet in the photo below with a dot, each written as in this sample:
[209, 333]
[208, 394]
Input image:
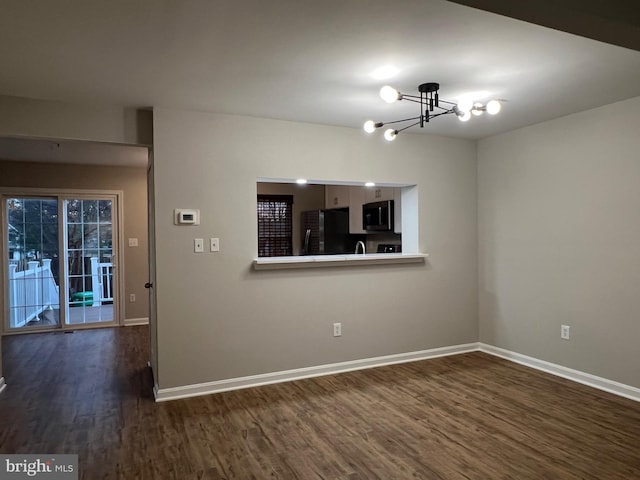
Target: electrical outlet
[132, 297]
[337, 329]
[214, 244]
[564, 332]
[198, 245]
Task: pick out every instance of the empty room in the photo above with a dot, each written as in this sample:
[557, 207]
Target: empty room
[320, 240]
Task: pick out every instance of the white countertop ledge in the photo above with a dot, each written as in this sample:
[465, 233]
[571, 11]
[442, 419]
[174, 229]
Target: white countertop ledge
[313, 261]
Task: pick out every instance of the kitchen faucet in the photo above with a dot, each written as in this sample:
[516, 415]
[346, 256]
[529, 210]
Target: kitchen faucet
[360, 242]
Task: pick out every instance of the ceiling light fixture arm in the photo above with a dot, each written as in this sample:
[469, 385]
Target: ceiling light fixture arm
[416, 99]
[399, 121]
[408, 126]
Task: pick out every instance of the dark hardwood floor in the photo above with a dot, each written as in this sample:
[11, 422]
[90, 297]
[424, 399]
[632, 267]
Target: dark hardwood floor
[469, 416]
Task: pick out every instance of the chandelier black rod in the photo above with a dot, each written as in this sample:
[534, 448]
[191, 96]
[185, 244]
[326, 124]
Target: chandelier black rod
[403, 120]
[408, 126]
[441, 113]
[416, 99]
[426, 119]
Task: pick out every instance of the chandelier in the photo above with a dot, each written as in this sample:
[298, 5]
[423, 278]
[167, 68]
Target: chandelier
[431, 106]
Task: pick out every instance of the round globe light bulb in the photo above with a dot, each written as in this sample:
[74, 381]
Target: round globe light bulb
[493, 107]
[465, 117]
[390, 135]
[478, 109]
[465, 104]
[369, 126]
[389, 94]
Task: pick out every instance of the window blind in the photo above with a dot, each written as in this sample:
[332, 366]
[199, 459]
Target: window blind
[275, 225]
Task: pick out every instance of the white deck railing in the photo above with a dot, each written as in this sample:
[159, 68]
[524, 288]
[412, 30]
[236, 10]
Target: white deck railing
[31, 292]
[34, 290]
[102, 281]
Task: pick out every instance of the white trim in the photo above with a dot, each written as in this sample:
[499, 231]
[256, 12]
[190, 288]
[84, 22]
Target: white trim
[174, 393]
[600, 383]
[310, 261]
[153, 378]
[610, 386]
[3, 384]
[132, 322]
[45, 191]
[119, 253]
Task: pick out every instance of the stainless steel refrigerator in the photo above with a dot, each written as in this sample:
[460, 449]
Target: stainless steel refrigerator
[326, 232]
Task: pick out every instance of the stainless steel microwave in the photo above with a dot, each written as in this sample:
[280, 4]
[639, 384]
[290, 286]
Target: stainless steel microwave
[378, 216]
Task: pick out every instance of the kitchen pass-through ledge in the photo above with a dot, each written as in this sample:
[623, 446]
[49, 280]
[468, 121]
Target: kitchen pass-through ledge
[313, 261]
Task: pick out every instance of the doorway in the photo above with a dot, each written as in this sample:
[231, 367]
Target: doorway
[62, 268]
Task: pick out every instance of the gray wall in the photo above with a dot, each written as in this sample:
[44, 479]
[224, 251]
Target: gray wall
[58, 120]
[218, 319]
[559, 241]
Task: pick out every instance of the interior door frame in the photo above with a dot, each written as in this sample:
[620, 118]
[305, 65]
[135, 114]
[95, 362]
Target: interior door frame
[151, 233]
[118, 256]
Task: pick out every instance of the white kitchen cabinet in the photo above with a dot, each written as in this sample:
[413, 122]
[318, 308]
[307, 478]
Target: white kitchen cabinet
[336, 196]
[341, 196]
[378, 194]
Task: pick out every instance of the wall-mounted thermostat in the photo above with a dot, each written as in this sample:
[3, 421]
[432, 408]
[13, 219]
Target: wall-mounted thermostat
[186, 216]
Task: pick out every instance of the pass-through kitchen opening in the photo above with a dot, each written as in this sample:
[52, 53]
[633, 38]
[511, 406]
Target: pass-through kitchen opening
[323, 219]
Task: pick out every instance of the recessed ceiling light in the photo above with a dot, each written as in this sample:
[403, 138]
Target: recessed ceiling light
[369, 184]
[301, 181]
[384, 72]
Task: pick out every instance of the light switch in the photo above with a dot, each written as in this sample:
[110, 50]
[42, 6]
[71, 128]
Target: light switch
[215, 244]
[198, 245]
[133, 242]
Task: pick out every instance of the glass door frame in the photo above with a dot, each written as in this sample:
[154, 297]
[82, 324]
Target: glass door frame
[6, 264]
[64, 199]
[117, 255]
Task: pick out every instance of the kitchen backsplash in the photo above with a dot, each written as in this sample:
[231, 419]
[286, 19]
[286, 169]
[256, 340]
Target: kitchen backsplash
[387, 238]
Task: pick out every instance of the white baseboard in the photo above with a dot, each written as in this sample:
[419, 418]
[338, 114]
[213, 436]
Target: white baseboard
[174, 393]
[131, 322]
[3, 384]
[153, 378]
[600, 383]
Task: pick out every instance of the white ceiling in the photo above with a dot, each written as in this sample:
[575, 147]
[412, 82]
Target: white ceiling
[305, 61]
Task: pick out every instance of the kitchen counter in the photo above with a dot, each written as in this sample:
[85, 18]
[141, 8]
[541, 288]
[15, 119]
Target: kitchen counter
[313, 261]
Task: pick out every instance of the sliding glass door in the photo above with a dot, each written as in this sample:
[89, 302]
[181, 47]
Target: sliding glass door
[89, 254]
[33, 263]
[62, 269]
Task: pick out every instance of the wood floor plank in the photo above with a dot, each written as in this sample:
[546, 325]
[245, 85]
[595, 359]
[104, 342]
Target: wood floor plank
[470, 416]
